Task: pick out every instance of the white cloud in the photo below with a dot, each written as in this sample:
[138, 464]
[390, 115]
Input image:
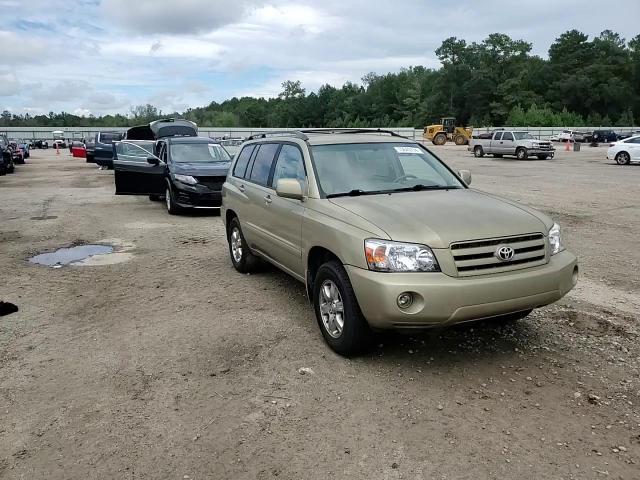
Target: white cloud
[9, 84]
[82, 112]
[173, 47]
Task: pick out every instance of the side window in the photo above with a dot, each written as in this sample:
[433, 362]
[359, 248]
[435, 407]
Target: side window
[497, 136]
[289, 165]
[507, 136]
[243, 160]
[262, 163]
[162, 151]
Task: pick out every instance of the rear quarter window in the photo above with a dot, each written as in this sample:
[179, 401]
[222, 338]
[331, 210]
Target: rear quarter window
[243, 160]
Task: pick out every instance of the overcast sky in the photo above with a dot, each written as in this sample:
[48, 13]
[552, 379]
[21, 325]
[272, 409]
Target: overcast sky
[103, 56]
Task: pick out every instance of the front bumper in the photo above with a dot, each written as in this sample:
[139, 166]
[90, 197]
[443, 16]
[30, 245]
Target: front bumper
[443, 300]
[197, 196]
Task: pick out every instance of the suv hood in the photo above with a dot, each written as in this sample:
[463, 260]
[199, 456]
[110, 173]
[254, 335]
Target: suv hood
[213, 169]
[439, 217]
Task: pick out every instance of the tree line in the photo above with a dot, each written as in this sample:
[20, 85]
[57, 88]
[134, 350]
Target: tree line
[497, 81]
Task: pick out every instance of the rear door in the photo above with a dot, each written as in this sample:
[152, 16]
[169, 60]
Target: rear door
[283, 216]
[259, 195]
[133, 174]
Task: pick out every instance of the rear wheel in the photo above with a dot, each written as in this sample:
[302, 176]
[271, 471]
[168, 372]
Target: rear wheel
[478, 151]
[522, 153]
[243, 260]
[623, 158]
[440, 139]
[338, 314]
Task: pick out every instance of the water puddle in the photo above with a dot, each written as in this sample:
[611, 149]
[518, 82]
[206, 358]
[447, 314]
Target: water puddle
[71, 256]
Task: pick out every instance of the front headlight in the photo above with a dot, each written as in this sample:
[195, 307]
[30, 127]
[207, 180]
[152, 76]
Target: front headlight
[555, 239]
[188, 179]
[386, 256]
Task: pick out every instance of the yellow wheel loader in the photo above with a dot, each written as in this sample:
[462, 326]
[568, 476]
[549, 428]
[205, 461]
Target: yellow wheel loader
[447, 131]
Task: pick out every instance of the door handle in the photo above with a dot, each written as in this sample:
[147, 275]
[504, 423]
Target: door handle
[241, 188]
[268, 199]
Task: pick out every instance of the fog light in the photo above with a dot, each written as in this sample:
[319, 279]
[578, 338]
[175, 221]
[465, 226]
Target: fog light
[405, 300]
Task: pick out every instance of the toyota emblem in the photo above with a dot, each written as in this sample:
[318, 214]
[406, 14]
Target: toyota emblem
[505, 253]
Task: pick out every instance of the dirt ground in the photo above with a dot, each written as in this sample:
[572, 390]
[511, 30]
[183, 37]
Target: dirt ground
[170, 364]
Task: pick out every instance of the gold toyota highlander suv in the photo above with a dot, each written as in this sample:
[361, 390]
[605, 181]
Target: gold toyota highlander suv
[386, 235]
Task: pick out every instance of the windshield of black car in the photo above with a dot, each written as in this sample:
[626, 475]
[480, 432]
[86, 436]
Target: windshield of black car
[379, 167]
[523, 136]
[198, 153]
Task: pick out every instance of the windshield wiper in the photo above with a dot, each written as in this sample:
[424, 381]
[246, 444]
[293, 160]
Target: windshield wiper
[355, 193]
[419, 186]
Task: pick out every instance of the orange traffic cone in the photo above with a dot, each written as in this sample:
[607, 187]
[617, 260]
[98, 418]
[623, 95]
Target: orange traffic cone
[57, 149]
[567, 147]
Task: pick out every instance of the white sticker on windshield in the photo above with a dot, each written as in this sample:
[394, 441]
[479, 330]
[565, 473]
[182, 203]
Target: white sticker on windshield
[409, 150]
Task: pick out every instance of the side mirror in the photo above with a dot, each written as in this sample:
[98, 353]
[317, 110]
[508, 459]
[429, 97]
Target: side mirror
[153, 160]
[466, 176]
[289, 188]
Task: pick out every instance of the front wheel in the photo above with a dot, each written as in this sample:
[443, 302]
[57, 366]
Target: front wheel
[459, 140]
[440, 139]
[337, 311]
[478, 151]
[543, 157]
[243, 260]
[172, 207]
[521, 154]
[623, 158]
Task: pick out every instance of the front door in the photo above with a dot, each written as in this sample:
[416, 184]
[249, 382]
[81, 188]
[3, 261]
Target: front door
[508, 146]
[133, 174]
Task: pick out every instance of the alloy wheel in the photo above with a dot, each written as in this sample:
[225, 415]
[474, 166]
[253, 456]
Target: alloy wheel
[331, 308]
[236, 244]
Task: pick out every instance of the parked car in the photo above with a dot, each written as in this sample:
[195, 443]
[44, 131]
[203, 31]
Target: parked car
[386, 236]
[25, 147]
[507, 142]
[625, 151]
[599, 136]
[40, 144]
[187, 170]
[6, 156]
[231, 145]
[103, 148]
[78, 149]
[59, 143]
[16, 152]
[90, 145]
[628, 135]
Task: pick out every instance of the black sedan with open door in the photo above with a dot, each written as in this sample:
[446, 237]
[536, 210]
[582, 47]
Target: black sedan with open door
[188, 171]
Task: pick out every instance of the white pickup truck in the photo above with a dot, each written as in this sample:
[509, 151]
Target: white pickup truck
[509, 142]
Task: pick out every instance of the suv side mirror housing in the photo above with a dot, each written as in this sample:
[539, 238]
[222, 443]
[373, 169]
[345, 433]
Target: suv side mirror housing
[289, 188]
[153, 160]
[466, 176]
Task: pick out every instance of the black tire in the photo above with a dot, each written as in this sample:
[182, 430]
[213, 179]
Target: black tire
[440, 139]
[11, 168]
[459, 140]
[497, 155]
[543, 157]
[522, 154]
[511, 317]
[478, 151]
[623, 158]
[172, 207]
[355, 334]
[3, 171]
[246, 261]
[91, 159]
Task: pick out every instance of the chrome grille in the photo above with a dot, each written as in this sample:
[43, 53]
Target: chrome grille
[478, 257]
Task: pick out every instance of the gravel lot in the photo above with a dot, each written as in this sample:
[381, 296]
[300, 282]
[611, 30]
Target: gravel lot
[170, 364]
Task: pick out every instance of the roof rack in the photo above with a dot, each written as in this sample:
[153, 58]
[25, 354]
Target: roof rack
[352, 130]
[280, 133]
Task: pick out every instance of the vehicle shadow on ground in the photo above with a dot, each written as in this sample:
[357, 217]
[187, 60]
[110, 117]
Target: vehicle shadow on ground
[459, 344]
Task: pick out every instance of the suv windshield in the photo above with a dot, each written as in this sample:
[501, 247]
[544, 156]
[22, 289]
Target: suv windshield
[523, 136]
[369, 168]
[198, 153]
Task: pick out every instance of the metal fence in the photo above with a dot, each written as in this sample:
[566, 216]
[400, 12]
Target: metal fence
[216, 132]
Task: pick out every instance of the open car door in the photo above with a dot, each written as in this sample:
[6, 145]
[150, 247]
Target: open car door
[137, 170]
